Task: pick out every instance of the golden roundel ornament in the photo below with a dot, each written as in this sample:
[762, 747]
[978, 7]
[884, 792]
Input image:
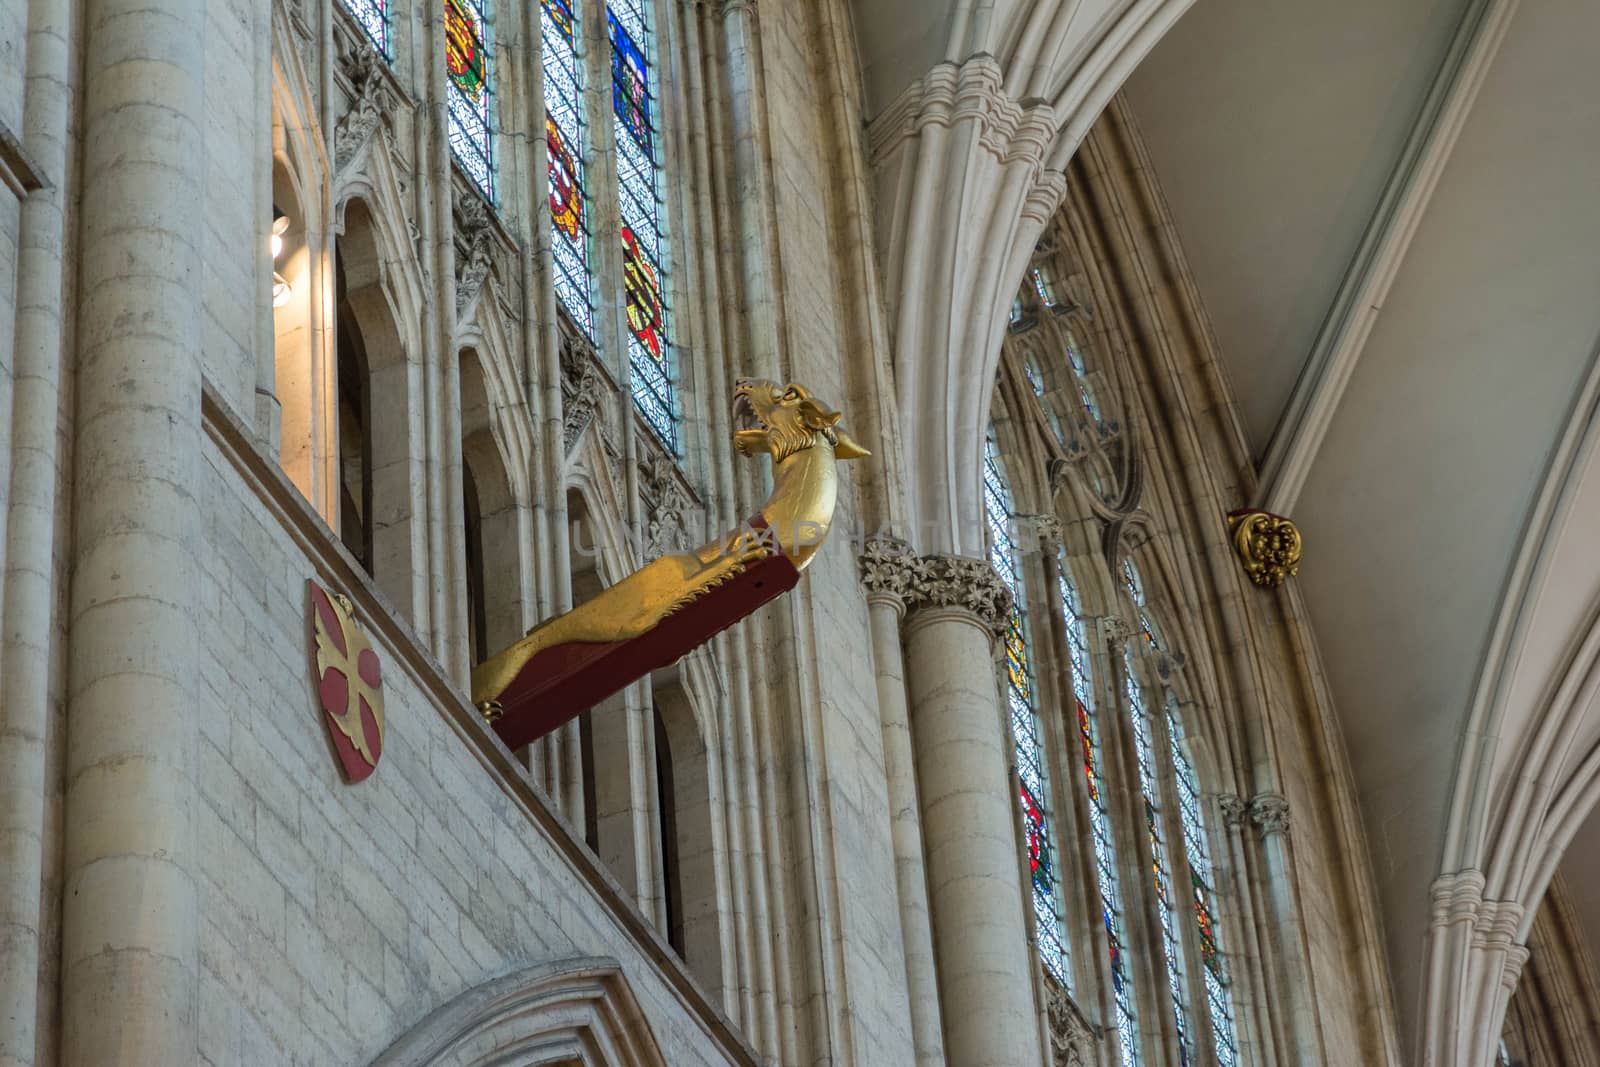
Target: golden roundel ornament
[349, 682]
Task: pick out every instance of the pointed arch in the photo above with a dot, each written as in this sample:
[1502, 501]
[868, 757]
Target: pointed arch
[572, 1013]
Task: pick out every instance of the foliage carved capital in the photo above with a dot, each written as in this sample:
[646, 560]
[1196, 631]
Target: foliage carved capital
[1270, 813]
[962, 584]
[888, 567]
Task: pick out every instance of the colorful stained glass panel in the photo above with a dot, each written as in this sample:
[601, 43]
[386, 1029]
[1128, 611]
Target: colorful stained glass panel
[564, 139]
[467, 67]
[1004, 554]
[1099, 820]
[638, 187]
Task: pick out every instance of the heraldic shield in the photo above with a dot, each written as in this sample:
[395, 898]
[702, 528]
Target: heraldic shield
[349, 683]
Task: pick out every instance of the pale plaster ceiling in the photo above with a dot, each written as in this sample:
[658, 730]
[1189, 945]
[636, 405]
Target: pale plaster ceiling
[1273, 129]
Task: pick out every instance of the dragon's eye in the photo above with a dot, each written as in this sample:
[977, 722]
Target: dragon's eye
[791, 393]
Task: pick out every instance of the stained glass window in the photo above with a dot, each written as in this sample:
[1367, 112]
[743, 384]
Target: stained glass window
[1148, 785]
[466, 31]
[1219, 1004]
[564, 137]
[374, 18]
[1032, 783]
[1099, 821]
[1044, 284]
[1218, 1001]
[633, 108]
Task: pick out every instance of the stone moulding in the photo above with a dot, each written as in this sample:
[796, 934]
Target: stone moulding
[973, 91]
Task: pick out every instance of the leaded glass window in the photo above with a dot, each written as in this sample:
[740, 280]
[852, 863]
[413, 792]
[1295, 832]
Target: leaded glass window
[633, 106]
[1099, 821]
[1219, 1004]
[374, 18]
[564, 138]
[1160, 878]
[467, 43]
[1218, 1001]
[1020, 700]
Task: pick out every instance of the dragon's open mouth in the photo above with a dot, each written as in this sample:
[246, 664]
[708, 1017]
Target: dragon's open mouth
[744, 412]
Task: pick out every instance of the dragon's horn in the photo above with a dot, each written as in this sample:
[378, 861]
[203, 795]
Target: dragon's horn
[846, 447]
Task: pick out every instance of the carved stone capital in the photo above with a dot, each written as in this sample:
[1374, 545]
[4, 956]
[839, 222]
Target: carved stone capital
[888, 568]
[1072, 1039]
[963, 584]
[1048, 532]
[1269, 546]
[1270, 812]
[1234, 808]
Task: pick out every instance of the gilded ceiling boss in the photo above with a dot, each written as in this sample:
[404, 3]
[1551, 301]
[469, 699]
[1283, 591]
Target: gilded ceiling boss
[668, 607]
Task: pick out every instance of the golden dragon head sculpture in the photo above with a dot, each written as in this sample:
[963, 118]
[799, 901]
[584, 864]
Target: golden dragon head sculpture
[782, 420]
[573, 660]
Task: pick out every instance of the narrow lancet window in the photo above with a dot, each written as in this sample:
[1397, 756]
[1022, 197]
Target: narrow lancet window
[1032, 781]
[564, 124]
[467, 43]
[639, 180]
[1100, 822]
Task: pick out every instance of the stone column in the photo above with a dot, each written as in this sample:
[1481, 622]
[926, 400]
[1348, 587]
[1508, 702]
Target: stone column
[26, 635]
[129, 924]
[957, 608]
[887, 570]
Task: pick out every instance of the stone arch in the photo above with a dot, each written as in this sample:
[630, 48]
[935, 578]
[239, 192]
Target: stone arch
[302, 346]
[496, 527]
[370, 313]
[572, 1013]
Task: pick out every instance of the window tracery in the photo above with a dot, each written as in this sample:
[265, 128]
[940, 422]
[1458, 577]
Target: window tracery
[1021, 701]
